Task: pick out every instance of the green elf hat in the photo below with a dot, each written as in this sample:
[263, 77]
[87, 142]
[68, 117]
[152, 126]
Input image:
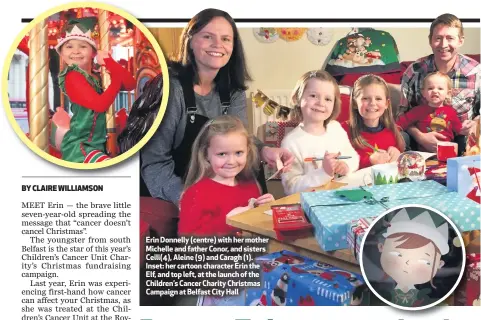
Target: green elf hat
[78, 29]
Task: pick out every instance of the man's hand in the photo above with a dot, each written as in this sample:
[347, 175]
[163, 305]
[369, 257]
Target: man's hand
[430, 140]
[467, 127]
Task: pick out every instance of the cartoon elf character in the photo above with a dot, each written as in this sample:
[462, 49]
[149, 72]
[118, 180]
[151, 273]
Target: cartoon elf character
[474, 194]
[85, 139]
[411, 255]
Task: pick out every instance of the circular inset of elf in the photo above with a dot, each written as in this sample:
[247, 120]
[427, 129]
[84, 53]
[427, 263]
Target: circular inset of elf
[73, 75]
[412, 257]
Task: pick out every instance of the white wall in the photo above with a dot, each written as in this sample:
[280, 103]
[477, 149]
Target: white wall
[278, 65]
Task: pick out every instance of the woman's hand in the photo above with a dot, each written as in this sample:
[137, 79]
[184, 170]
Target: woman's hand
[265, 198]
[270, 155]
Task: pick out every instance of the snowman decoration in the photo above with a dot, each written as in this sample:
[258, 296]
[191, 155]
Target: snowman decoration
[319, 36]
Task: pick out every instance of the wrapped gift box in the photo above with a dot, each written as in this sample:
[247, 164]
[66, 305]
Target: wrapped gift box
[331, 214]
[464, 176]
[289, 279]
[468, 292]
[290, 222]
[356, 233]
[225, 301]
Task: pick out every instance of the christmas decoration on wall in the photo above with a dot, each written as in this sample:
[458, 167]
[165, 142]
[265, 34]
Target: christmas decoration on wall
[291, 34]
[319, 36]
[266, 35]
[270, 106]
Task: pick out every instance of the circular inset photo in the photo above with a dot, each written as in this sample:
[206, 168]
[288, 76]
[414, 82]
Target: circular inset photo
[74, 76]
[412, 257]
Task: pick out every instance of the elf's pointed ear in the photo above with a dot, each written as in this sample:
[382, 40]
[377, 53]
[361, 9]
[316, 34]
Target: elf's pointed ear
[441, 264]
[380, 246]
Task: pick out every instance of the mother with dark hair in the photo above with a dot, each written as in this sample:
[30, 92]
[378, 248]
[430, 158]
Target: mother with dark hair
[207, 79]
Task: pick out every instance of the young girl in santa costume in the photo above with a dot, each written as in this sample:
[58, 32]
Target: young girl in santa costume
[86, 138]
[371, 127]
[221, 178]
[318, 140]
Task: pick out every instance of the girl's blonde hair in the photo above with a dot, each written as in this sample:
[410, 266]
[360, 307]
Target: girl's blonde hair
[301, 86]
[387, 119]
[414, 241]
[199, 166]
[449, 84]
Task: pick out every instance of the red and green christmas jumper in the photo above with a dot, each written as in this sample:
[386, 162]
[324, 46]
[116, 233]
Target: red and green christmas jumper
[443, 119]
[85, 141]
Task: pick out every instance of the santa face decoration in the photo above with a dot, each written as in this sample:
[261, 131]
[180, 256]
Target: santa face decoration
[261, 302]
[474, 193]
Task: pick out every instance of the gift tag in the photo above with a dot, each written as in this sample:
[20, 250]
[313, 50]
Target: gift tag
[354, 195]
[279, 166]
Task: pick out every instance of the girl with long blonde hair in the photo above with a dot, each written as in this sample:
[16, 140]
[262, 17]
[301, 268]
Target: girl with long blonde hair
[371, 126]
[221, 177]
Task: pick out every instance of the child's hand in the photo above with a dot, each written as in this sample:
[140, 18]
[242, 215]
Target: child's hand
[329, 162]
[379, 157]
[341, 168]
[101, 55]
[265, 198]
[393, 153]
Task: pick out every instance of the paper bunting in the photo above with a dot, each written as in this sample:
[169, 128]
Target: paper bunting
[291, 34]
[270, 106]
[259, 99]
[283, 113]
[266, 35]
